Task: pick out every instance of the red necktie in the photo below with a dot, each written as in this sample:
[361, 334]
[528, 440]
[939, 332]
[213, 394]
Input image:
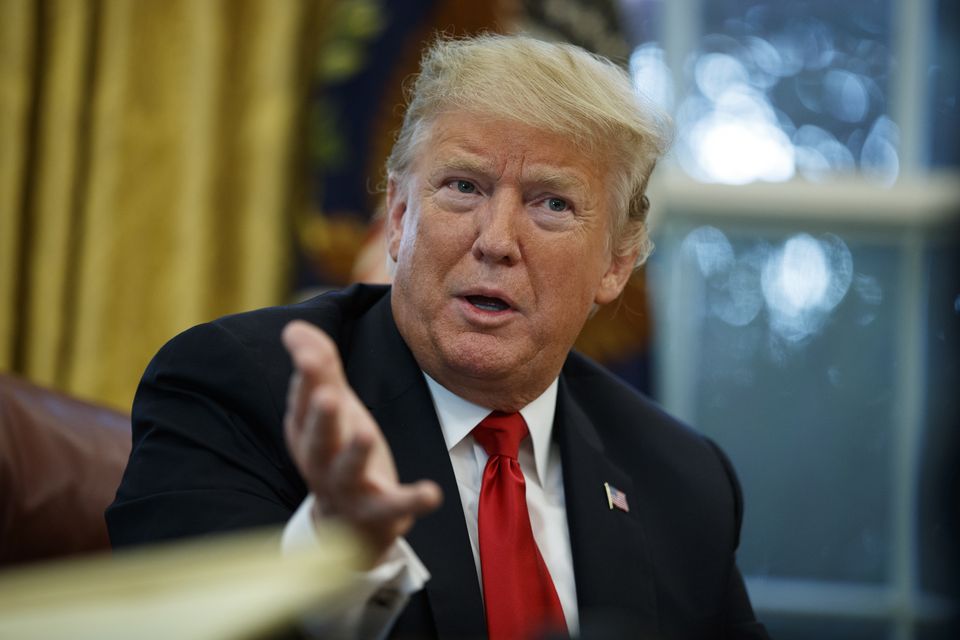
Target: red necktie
[519, 596]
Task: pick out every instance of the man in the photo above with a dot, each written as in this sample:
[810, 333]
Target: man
[503, 484]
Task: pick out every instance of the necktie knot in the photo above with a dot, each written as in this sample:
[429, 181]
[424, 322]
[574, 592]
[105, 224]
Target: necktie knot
[500, 434]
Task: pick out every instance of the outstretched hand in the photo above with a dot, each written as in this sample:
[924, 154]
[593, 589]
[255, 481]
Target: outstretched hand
[339, 448]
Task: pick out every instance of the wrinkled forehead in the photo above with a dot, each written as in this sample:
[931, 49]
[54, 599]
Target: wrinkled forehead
[490, 145]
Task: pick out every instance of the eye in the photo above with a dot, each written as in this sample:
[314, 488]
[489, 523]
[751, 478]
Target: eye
[557, 204]
[465, 186]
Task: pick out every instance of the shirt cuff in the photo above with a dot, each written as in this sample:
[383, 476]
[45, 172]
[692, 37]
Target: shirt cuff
[377, 596]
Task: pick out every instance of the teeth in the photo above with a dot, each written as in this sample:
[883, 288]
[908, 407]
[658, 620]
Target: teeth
[488, 304]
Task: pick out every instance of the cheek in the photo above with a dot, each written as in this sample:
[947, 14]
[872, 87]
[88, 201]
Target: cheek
[446, 236]
[405, 247]
[409, 240]
[428, 248]
[575, 264]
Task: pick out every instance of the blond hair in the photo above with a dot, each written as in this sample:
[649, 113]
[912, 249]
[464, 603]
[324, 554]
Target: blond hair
[557, 87]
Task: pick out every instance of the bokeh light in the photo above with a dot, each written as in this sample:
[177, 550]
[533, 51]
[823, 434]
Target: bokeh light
[651, 75]
[775, 90]
[803, 281]
[799, 283]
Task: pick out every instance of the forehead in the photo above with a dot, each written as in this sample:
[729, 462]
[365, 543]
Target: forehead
[501, 147]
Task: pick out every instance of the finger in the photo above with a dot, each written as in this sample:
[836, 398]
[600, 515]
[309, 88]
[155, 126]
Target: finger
[299, 399]
[322, 434]
[296, 406]
[424, 496]
[406, 501]
[305, 366]
[313, 353]
[299, 391]
[315, 361]
[349, 466]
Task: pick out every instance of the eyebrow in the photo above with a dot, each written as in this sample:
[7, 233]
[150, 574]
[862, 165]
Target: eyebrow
[544, 177]
[468, 164]
[559, 181]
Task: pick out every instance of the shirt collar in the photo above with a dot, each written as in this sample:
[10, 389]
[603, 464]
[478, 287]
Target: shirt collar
[458, 417]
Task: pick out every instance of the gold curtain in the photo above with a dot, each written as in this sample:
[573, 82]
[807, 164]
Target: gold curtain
[147, 175]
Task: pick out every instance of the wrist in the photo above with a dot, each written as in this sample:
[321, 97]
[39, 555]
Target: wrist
[376, 543]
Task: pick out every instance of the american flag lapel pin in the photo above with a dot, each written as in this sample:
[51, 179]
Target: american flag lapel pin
[616, 499]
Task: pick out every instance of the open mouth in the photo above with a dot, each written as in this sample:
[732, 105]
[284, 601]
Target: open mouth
[485, 303]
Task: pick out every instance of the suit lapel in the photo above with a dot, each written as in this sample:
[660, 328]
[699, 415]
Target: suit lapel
[610, 562]
[388, 380]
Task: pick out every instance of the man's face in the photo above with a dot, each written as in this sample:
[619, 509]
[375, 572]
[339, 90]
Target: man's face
[501, 234]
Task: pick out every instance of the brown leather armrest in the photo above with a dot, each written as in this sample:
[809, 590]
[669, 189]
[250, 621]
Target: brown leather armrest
[60, 463]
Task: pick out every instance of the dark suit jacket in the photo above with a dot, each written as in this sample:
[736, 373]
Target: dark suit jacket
[208, 455]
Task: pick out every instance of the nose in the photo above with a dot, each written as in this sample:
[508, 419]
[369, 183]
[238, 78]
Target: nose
[497, 239]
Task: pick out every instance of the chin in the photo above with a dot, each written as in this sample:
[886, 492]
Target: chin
[481, 357]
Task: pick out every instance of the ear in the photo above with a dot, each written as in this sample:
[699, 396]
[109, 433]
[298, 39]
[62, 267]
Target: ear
[615, 278]
[396, 208]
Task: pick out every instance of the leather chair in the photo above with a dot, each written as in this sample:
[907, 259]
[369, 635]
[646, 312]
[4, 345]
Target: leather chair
[60, 463]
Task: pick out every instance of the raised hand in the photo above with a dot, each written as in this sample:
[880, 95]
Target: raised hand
[340, 450]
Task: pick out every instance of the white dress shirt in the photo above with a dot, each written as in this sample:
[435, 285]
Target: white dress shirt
[382, 593]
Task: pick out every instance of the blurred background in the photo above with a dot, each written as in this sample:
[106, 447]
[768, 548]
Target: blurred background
[165, 162]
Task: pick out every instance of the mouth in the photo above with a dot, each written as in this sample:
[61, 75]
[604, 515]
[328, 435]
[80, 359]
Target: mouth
[488, 303]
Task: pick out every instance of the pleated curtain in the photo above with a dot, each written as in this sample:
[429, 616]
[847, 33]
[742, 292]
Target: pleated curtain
[148, 175]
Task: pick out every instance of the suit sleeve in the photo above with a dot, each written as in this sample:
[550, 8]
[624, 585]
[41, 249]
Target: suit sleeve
[208, 453]
[741, 622]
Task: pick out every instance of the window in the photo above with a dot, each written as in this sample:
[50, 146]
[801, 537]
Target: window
[806, 292]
